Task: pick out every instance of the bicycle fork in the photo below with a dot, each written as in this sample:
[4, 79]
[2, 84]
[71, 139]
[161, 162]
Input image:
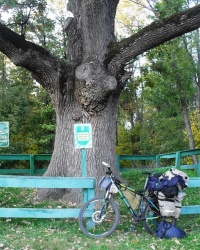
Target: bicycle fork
[104, 206]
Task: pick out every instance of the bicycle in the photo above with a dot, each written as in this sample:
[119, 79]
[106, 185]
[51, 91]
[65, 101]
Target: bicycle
[100, 216]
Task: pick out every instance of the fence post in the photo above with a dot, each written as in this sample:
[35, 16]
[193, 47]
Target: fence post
[178, 159]
[118, 162]
[32, 165]
[198, 169]
[157, 161]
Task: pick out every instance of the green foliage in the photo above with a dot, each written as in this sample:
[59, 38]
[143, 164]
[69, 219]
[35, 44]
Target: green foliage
[173, 75]
[167, 8]
[195, 125]
[28, 109]
[128, 141]
[161, 134]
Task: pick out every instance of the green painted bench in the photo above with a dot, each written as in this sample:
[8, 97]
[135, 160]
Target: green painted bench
[85, 183]
[195, 209]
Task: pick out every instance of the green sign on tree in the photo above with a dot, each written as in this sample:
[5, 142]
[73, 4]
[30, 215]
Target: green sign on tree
[4, 134]
[83, 135]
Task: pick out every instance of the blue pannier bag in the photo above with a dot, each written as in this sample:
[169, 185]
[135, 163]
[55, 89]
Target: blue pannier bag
[167, 230]
[155, 184]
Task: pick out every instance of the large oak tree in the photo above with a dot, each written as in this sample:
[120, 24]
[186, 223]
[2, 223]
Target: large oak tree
[86, 88]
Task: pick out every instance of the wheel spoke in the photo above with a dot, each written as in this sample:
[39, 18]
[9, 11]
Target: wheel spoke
[99, 217]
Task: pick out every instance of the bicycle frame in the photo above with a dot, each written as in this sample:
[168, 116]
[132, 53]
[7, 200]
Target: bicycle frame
[136, 213]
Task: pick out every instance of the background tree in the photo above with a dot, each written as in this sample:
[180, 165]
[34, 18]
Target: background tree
[167, 92]
[88, 84]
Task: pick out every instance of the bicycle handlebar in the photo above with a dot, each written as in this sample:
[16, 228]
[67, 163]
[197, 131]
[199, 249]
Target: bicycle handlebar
[109, 172]
[105, 164]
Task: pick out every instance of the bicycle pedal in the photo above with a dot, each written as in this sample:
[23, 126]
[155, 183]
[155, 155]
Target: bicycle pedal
[134, 221]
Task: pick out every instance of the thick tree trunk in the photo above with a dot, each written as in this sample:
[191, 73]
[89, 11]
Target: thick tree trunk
[92, 98]
[66, 160]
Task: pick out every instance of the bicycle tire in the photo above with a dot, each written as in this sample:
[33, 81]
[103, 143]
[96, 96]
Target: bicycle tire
[149, 212]
[93, 226]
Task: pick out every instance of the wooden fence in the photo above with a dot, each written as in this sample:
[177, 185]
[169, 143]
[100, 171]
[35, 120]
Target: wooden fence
[32, 158]
[176, 156]
[194, 182]
[87, 184]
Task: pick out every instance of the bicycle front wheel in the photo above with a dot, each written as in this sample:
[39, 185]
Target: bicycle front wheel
[99, 217]
[152, 216]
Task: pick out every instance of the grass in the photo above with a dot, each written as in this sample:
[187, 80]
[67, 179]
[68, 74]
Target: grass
[64, 234]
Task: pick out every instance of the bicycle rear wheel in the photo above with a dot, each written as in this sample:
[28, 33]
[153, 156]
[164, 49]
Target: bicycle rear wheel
[152, 216]
[99, 217]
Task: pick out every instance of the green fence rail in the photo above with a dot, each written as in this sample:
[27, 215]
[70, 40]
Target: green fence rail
[177, 156]
[87, 184]
[194, 182]
[32, 158]
[32, 170]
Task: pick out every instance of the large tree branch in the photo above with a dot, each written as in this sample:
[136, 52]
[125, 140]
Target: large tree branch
[151, 36]
[46, 69]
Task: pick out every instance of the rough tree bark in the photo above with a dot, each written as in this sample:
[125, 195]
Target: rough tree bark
[86, 88]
